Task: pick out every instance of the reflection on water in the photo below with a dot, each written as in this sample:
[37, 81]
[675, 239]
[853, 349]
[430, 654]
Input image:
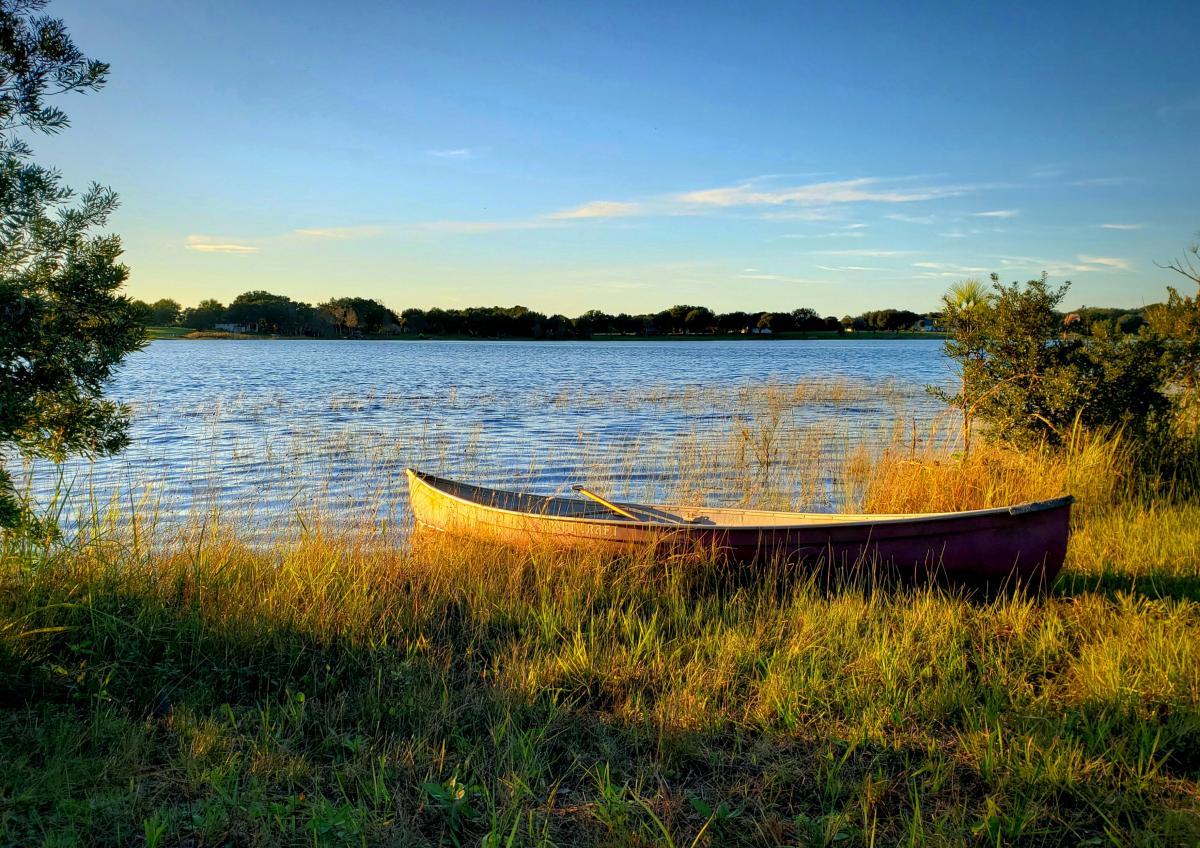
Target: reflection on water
[272, 428]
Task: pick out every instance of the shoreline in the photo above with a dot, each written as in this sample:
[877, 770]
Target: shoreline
[177, 334]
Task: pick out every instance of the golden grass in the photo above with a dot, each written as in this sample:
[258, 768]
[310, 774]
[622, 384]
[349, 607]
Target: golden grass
[337, 686]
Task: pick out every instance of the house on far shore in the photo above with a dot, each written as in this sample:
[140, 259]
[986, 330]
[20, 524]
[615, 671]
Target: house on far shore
[234, 328]
[927, 325]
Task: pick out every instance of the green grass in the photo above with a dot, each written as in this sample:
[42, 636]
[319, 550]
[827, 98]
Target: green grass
[155, 333]
[190, 689]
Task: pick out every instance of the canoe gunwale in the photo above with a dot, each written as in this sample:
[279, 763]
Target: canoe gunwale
[440, 485]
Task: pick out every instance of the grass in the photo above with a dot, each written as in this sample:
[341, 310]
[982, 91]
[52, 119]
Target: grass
[155, 333]
[182, 687]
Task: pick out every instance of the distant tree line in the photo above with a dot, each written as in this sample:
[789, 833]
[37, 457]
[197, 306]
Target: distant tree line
[264, 312]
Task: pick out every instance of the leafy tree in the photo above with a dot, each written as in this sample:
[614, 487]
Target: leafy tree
[595, 321]
[807, 320]
[342, 313]
[1177, 323]
[699, 320]
[736, 322]
[349, 314]
[64, 325]
[204, 316]
[276, 313]
[164, 312]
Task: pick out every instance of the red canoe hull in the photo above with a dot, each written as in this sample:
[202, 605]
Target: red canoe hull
[1024, 544]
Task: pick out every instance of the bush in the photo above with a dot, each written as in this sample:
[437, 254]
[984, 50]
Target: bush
[1031, 380]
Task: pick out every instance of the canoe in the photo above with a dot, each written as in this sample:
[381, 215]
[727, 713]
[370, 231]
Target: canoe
[1025, 543]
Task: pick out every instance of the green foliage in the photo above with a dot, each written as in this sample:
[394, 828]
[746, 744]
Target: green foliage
[63, 323]
[360, 314]
[204, 315]
[889, 319]
[1177, 323]
[164, 312]
[1031, 380]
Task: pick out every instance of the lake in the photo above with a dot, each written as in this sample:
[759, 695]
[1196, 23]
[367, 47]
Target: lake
[264, 429]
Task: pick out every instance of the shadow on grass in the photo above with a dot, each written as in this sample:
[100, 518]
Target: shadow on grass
[131, 715]
[1154, 586]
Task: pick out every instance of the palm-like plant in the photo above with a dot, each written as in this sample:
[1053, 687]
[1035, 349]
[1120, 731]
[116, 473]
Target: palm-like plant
[966, 307]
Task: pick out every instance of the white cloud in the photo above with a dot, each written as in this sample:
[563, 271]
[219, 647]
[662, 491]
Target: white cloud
[340, 233]
[937, 270]
[1112, 262]
[208, 244]
[1059, 268]
[852, 234]
[1102, 181]
[910, 219]
[848, 268]
[454, 153]
[780, 278]
[800, 215]
[861, 252]
[1121, 226]
[860, 190]
[997, 213]
[598, 209]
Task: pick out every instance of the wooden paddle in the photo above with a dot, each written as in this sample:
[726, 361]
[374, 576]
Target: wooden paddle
[619, 510]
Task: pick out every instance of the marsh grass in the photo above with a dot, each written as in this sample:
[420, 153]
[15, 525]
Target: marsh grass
[178, 685]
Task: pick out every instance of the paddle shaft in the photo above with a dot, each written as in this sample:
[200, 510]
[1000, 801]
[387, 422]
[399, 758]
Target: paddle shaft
[607, 503]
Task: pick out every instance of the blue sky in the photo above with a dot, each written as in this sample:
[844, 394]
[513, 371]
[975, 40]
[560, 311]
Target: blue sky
[632, 156]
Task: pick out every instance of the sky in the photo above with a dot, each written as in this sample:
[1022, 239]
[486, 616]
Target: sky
[630, 156]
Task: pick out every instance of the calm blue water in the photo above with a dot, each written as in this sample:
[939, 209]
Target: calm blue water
[269, 427]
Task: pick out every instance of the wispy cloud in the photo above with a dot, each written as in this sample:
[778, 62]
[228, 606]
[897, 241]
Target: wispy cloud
[1106, 262]
[861, 190]
[861, 252]
[1179, 109]
[949, 266]
[593, 210]
[1121, 226]
[340, 233]
[997, 213]
[809, 202]
[910, 219]
[800, 215]
[848, 268]
[454, 153]
[598, 209]
[1057, 267]
[837, 234]
[208, 244]
[780, 278]
[1102, 181]
[938, 270]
